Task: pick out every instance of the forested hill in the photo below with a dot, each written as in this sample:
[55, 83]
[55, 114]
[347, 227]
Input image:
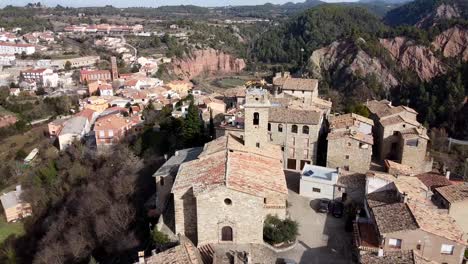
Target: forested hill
[313, 29]
[356, 56]
[424, 13]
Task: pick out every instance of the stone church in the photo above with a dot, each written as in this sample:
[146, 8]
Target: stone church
[224, 194]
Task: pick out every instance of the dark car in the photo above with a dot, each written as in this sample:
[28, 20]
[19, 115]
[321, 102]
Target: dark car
[323, 206]
[337, 209]
[286, 261]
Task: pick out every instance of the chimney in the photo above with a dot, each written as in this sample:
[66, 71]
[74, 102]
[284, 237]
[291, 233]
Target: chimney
[141, 257]
[18, 188]
[380, 253]
[176, 153]
[405, 197]
[338, 170]
[447, 175]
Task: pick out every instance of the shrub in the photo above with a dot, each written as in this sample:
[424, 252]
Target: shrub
[159, 238]
[277, 231]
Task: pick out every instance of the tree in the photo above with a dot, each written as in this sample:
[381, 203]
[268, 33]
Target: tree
[212, 129]
[68, 66]
[191, 128]
[277, 231]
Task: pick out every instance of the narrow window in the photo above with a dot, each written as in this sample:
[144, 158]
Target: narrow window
[269, 126]
[305, 130]
[280, 128]
[294, 129]
[317, 190]
[256, 118]
[162, 181]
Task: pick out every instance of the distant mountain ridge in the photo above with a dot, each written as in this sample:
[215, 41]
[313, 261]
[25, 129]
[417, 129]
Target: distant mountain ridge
[426, 13]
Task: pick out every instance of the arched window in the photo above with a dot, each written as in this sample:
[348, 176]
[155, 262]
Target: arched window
[280, 128]
[294, 129]
[305, 130]
[269, 126]
[226, 233]
[256, 118]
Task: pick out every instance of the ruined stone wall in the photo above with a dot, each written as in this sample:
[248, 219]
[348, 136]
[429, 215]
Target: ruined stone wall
[348, 153]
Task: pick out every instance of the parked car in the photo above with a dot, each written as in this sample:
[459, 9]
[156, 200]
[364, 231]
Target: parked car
[337, 209]
[286, 261]
[323, 206]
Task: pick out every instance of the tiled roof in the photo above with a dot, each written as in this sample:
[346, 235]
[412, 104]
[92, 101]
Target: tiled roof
[412, 187]
[338, 134]
[88, 113]
[94, 72]
[381, 198]
[433, 180]
[434, 222]
[294, 116]
[115, 122]
[414, 132]
[226, 161]
[398, 168]
[297, 84]
[454, 193]
[185, 253]
[390, 257]
[15, 44]
[348, 120]
[393, 218]
[384, 108]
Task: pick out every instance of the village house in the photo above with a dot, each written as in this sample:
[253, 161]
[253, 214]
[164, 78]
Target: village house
[15, 91]
[398, 136]
[7, 59]
[220, 178]
[42, 77]
[14, 207]
[94, 75]
[400, 216]
[320, 182]
[350, 143]
[55, 126]
[306, 89]
[106, 90]
[112, 128]
[73, 129]
[454, 198]
[16, 48]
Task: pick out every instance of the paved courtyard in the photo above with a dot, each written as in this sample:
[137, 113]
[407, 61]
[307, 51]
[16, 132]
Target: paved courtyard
[322, 238]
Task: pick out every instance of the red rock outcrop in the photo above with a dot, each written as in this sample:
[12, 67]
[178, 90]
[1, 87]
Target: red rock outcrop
[443, 11]
[453, 43]
[346, 57]
[207, 61]
[414, 57]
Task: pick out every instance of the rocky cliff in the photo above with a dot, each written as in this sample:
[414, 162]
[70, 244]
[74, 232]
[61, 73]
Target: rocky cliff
[207, 61]
[344, 58]
[414, 57]
[442, 12]
[453, 43]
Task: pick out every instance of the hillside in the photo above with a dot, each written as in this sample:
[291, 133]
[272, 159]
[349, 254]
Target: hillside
[313, 29]
[426, 13]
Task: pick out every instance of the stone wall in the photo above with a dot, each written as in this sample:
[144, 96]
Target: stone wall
[350, 154]
[414, 156]
[185, 213]
[297, 146]
[244, 214]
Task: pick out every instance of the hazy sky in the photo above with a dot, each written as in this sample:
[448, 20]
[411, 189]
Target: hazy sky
[152, 3]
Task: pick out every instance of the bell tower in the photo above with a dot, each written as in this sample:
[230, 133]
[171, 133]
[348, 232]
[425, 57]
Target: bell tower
[256, 106]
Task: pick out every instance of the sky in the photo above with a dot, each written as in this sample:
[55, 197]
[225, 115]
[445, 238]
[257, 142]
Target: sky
[151, 3]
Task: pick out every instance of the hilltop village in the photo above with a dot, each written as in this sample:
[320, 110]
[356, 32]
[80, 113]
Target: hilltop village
[183, 135]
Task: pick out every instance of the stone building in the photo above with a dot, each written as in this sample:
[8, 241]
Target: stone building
[225, 193]
[305, 89]
[350, 143]
[398, 136]
[401, 217]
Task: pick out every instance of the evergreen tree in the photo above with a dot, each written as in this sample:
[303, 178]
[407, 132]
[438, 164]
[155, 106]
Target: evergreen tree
[191, 127]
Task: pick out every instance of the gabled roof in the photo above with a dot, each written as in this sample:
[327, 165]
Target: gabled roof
[227, 162]
[297, 84]
[390, 257]
[349, 120]
[394, 217]
[294, 116]
[454, 193]
[433, 180]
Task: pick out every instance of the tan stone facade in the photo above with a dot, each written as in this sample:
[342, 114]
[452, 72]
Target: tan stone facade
[299, 143]
[349, 154]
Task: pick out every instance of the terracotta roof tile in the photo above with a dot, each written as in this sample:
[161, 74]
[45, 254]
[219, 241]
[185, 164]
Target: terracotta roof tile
[454, 193]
